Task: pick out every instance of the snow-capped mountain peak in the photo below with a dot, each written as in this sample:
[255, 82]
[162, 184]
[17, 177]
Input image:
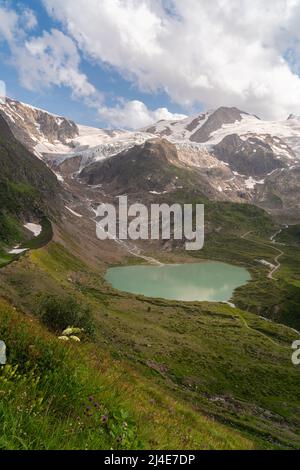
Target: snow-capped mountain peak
[236, 155]
[198, 128]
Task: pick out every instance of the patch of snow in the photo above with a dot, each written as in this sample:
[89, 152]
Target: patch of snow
[59, 177]
[177, 131]
[265, 319]
[155, 192]
[250, 183]
[59, 121]
[286, 133]
[266, 263]
[73, 212]
[230, 304]
[17, 251]
[36, 229]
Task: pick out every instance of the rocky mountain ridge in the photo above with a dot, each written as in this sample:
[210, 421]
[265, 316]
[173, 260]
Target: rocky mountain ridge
[237, 155]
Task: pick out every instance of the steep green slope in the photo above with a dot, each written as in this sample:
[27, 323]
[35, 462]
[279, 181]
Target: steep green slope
[27, 187]
[19, 166]
[69, 396]
[28, 190]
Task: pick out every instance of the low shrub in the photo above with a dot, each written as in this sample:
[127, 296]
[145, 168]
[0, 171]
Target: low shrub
[60, 313]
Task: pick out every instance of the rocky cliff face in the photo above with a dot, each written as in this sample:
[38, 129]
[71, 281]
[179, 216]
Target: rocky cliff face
[280, 193]
[252, 157]
[33, 127]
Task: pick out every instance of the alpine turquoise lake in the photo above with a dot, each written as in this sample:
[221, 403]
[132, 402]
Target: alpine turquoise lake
[206, 281]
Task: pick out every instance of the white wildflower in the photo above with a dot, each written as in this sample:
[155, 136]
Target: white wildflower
[75, 338]
[63, 338]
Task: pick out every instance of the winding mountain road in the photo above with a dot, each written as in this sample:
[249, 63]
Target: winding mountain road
[276, 259]
[278, 264]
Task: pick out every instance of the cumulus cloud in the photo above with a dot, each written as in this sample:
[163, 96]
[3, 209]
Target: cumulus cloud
[51, 59]
[134, 115]
[225, 52]
[13, 24]
[8, 24]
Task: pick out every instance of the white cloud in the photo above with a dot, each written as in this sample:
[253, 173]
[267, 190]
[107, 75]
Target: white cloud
[29, 19]
[134, 115]
[51, 59]
[8, 24]
[225, 52]
[13, 24]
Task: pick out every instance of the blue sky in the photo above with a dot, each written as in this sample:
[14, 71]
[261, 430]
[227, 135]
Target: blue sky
[58, 100]
[127, 63]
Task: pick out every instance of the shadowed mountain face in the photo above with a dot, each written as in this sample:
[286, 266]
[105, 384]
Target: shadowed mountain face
[153, 166]
[281, 193]
[26, 184]
[252, 157]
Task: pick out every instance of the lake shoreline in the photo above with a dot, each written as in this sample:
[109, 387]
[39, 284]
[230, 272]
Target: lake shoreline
[204, 281]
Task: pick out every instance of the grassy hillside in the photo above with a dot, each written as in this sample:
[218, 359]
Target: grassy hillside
[182, 361]
[58, 396]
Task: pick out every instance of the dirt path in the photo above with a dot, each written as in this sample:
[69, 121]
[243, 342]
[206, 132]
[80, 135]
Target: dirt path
[129, 247]
[245, 234]
[257, 332]
[276, 259]
[274, 270]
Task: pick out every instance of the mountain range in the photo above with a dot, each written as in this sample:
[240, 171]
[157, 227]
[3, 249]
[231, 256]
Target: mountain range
[230, 155]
